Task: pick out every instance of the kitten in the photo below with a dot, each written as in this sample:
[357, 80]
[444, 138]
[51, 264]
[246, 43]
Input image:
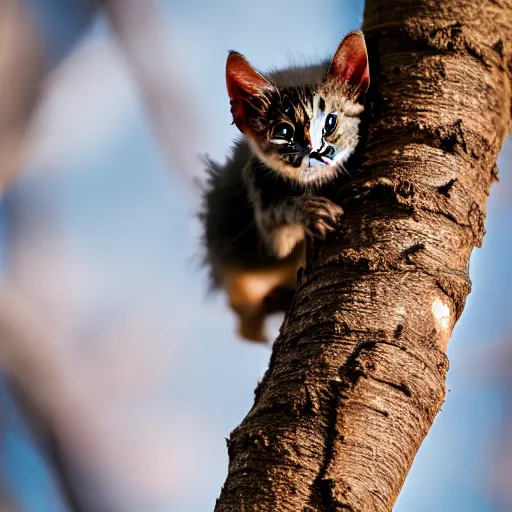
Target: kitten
[300, 127]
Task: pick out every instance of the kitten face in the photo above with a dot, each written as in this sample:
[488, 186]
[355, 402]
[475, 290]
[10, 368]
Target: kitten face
[309, 133]
[305, 133]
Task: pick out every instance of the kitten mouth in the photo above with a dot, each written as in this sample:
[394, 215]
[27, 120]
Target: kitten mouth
[318, 162]
[317, 159]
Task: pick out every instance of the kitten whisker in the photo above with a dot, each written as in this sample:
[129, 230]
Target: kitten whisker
[345, 169]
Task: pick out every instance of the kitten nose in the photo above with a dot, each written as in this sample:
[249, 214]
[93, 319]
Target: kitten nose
[315, 159]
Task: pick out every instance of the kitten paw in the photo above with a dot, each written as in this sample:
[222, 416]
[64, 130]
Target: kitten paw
[322, 216]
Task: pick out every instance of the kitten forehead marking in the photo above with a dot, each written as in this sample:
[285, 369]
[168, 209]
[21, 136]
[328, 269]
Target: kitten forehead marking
[318, 117]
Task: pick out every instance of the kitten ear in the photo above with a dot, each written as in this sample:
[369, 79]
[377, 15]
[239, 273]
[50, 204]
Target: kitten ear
[350, 62]
[243, 83]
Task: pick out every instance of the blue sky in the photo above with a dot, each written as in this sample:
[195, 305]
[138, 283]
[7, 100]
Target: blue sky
[129, 230]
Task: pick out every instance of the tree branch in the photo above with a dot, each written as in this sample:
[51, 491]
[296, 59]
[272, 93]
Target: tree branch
[35, 371]
[21, 66]
[357, 375]
[141, 31]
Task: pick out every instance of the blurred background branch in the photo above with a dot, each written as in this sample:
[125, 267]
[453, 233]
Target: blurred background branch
[21, 69]
[30, 355]
[154, 63]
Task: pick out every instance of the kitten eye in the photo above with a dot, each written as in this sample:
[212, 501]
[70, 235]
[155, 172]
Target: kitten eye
[283, 131]
[330, 124]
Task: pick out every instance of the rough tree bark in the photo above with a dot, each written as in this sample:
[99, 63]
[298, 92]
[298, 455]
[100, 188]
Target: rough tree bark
[357, 374]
